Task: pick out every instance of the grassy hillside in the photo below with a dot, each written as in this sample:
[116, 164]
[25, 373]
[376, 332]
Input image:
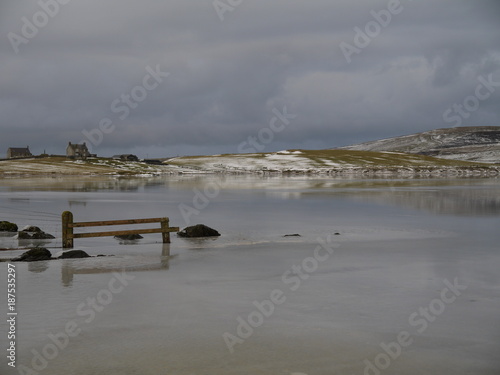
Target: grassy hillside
[319, 161]
[62, 165]
[289, 161]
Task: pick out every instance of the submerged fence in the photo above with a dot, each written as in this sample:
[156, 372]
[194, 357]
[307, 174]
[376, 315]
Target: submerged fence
[68, 225]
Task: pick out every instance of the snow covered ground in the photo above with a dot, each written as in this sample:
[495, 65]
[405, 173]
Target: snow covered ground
[330, 161]
[478, 144]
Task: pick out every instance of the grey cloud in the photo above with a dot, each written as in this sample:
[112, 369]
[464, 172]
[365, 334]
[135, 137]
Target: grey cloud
[226, 77]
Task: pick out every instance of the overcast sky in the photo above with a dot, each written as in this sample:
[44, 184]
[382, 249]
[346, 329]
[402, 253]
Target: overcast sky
[224, 72]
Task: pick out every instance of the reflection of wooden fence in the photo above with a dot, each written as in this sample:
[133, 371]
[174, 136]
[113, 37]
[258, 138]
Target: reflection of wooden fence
[68, 225]
[68, 270]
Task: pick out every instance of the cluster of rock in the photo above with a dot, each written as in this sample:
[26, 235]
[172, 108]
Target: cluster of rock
[29, 232]
[6, 226]
[33, 233]
[195, 231]
[41, 253]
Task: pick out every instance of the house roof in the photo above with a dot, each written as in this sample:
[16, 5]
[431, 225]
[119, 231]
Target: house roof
[75, 146]
[124, 156]
[20, 149]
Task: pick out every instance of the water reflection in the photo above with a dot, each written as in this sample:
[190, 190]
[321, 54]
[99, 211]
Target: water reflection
[80, 183]
[466, 196]
[110, 264]
[459, 202]
[38, 267]
[8, 240]
[73, 203]
[29, 243]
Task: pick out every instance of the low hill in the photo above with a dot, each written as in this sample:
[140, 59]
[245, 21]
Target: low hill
[478, 144]
[332, 162]
[91, 166]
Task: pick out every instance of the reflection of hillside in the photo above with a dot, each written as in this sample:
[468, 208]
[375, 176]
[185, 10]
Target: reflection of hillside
[466, 202]
[80, 184]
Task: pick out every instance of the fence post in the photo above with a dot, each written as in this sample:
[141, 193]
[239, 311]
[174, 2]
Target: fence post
[67, 229]
[165, 227]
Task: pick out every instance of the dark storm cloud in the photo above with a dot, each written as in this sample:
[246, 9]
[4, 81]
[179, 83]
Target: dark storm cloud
[226, 77]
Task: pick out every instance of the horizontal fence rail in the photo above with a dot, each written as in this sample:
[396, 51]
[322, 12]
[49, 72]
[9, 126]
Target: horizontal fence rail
[68, 225]
[117, 222]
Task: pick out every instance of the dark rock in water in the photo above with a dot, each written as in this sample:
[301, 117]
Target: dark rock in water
[73, 254]
[33, 255]
[42, 236]
[337, 234]
[23, 236]
[34, 233]
[6, 226]
[32, 229]
[198, 230]
[292, 235]
[129, 237]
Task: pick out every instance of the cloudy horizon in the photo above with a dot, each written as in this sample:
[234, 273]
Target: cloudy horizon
[208, 77]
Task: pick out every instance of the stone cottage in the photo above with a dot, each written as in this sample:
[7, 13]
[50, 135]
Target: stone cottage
[18, 152]
[77, 151]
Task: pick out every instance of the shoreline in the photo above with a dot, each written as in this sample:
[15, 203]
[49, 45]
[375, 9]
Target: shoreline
[398, 172]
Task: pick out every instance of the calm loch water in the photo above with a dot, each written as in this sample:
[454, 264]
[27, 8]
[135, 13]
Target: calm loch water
[386, 277]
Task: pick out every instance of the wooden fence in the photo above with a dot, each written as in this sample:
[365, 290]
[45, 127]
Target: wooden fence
[68, 225]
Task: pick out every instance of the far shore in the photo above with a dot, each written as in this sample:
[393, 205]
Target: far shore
[282, 163]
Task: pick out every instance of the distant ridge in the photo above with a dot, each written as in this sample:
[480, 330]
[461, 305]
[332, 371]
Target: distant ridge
[477, 144]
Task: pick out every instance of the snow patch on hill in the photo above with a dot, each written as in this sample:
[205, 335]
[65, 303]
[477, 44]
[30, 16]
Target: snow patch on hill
[331, 162]
[478, 144]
